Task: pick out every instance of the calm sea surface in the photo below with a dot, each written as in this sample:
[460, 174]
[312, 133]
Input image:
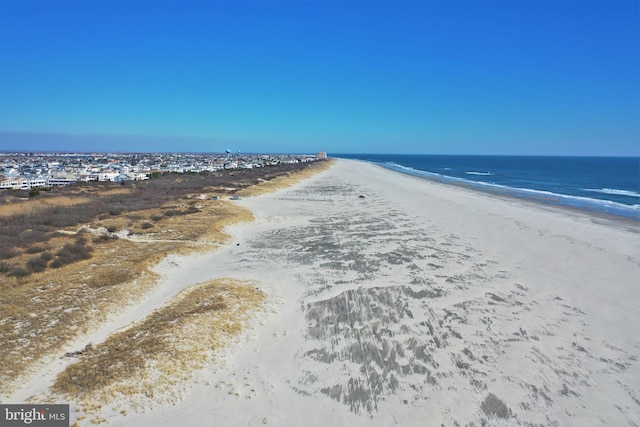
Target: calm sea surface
[600, 184]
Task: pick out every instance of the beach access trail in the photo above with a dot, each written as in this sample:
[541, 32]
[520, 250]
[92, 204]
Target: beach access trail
[392, 300]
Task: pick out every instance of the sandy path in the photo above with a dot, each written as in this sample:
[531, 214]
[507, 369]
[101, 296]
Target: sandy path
[420, 304]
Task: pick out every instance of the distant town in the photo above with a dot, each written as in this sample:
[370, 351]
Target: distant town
[24, 171]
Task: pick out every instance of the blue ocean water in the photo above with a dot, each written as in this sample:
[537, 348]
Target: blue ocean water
[598, 184]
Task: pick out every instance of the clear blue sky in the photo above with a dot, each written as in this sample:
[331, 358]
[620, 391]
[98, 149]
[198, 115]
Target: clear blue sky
[468, 77]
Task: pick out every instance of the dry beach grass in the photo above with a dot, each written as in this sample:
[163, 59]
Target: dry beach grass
[147, 363]
[286, 180]
[42, 312]
[9, 209]
[69, 266]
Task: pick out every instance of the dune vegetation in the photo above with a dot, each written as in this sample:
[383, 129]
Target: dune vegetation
[72, 257]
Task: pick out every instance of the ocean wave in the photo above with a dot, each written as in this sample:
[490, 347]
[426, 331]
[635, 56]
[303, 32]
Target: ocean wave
[479, 173]
[394, 165]
[599, 205]
[613, 191]
[577, 200]
[589, 203]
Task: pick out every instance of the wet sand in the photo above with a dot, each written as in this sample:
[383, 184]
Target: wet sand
[392, 300]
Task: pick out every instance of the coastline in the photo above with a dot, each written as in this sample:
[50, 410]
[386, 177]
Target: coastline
[627, 222]
[574, 182]
[392, 300]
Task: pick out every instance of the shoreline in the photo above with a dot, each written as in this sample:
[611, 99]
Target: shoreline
[393, 300]
[631, 224]
[581, 203]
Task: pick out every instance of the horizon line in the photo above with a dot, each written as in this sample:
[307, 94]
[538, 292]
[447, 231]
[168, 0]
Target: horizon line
[299, 153]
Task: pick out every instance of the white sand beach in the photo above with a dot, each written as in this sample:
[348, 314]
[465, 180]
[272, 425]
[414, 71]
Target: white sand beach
[396, 301]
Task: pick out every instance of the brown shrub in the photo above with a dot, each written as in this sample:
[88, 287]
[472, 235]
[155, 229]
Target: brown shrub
[8, 253]
[71, 253]
[36, 264]
[36, 249]
[103, 238]
[18, 271]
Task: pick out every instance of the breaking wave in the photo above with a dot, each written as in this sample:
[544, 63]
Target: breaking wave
[614, 191]
[479, 173]
[592, 204]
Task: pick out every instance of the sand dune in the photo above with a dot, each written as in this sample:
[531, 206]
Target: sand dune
[391, 300]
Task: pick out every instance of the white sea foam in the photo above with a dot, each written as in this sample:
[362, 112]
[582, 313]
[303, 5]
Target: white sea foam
[479, 173]
[632, 211]
[577, 200]
[614, 191]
